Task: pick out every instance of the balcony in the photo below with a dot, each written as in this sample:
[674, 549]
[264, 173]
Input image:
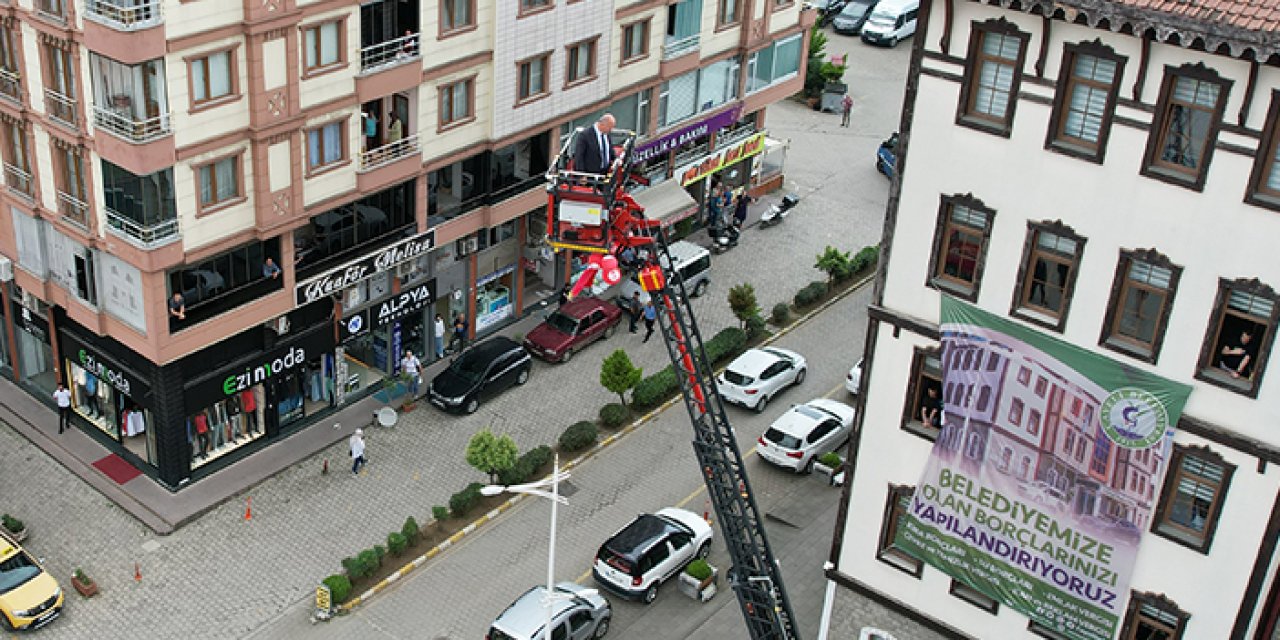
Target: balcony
[121, 122]
[53, 9]
[388, 153]
[676, 47]
[19, 181]
[60, 107]
[73, 210]
[390, 53]
[146, 236]
[11, 85]
[124, 15]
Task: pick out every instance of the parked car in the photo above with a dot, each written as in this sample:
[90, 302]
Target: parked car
[652, 548]
[854, 378]
[887, 156]
[827, 9]
[29, 597]
[758, 375]
[891, 22]
[480, 372]
[572, 327]
[579, 613]
[804, 432]
[851, 18]
[692, 263]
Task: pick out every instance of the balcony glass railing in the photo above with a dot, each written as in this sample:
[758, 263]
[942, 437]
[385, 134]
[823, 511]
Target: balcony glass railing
[10, 84]
[123, 14]
[390, 53]
[388, 153]
[676, 47]
[122, 124]
[73, 209]
[19, 181]
[144, 235]
[60, 107]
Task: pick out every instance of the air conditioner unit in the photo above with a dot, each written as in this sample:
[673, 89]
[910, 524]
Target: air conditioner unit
[281, 325]
[473, 244]
[405, 269]
[6, 269]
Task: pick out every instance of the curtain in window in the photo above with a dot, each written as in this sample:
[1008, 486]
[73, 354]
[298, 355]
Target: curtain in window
[329, 43]
[458, 107]
[1250, 304]
[1088, 101]
[219, 74]
[688, 20]
[1195, 496]
[995, 78]
[218, 182]
[714, 88]
[682, 96]
[457, 13]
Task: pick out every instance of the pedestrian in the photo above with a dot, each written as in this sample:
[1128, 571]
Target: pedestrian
[740, 210]
[439, 336]
[650, 315]
[846, 108]
[634, 309]
[62, 396]
[410, 365]
[459, 334]
[715, 207]
[357, 451]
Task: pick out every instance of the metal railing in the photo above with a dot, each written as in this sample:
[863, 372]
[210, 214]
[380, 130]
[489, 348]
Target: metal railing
[73, 209]
[60, 107]
[124, 15]
[734, 135]
[388, 153]
[391, 52]
[18, 180]
[123, 125]
[10, 84]
[55, 9]
[689, 155]
[676, 47]
[144, 235]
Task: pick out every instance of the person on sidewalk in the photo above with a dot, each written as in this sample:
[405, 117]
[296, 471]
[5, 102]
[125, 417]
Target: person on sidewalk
[357, 451]
[459, 334]
[634, 309]
[846, 108]
[411, 366]
[438, 335]
[740, 210]
[62, 396]
[650, 315]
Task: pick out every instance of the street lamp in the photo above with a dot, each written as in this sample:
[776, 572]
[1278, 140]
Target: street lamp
[538, 489]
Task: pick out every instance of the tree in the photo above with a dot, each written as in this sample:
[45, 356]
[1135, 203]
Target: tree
[742, 300]
[618, 375]
[819, 71]
[833, 262]
[491, 454]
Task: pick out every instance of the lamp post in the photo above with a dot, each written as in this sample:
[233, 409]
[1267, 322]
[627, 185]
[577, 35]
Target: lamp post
[538, 489]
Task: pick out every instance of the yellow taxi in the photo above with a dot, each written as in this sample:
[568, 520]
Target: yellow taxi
[29, 597]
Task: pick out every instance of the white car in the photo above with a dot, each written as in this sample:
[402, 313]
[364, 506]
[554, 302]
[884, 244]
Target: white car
[854, 378]
[755, 377]
[653, 548]
[806, 431]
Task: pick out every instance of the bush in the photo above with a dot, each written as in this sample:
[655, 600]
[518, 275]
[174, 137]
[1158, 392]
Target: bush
[339, 587]
[865, 258]
[353, 567]
[410, 530]
[369, 561]
[439, 513]
[614, 415]
[781, 313]
[381, 552]
[831, 459]
[462, 502]
[811, 293]
[619, 375]
[755, 326]
[698, 570]
[11, 523]
[396, 543]
[725, 343]
[578, 436]
[654, 389]
[537, 457]
[526, 466]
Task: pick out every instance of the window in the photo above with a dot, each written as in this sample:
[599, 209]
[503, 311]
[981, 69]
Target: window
[219, 181]
[326, 145]
[1183, 133]
[1153, 617]
[973, 596]
[1194, 489]
[533, 78]
[1087, 86]
[635, 42]
[455, 102]
[1141, 299]
[68, 171]
[322, 45]
[728, 12]
[211, 77]
[895, 507]
[959, 246]
[1264, 185]
[582, 62]
[527, 6]
[923, 412]
[773, 64]
[1048, 274]
[456, 15]
[992, 76]
[60, 83]
[1044, 632]
[17, 167]
[1015, 412]
[220, 283]
[1241, 330]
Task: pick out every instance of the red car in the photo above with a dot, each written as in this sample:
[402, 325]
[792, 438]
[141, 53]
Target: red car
[572, 327]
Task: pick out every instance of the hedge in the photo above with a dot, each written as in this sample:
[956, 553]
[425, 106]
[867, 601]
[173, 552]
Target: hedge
[461, 502]
[410, 530]
[525, 466]
[439, 512]
[781, 313]
[653, 390]
[339, 587]
[811, 293]
[614, 415]
[396, 543]
[578, 436]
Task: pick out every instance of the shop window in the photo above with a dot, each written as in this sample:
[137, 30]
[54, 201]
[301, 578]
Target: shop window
[1185, 129]
[109, 408]
[973, 596]
[1153, 617]
[1141, 299]
[1241, 331]
[923, 412]
[1194, 489]
[350, 229]
[225, 281]
[959, 246]
[896, 506]
[1088, 83]
[993, 74]
[1047, 278]
[228, 424]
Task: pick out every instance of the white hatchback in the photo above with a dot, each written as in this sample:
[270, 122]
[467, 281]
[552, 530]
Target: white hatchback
[755, 377]
[854, 378]
[805, 432]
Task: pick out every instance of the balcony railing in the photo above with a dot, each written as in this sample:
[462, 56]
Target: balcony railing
[73, 209]
[18, 180]
[388, 153]
[10, 84]
[60, 107]
[121, 123]
[731, 136]
[689, 155]
[391, 52]
[55, 9]
[676, 47]
[144, 235]
[123, 15]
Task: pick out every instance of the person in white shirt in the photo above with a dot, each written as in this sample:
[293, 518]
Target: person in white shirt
[410, 365]
[439, 336]
[63, 397]
[357, 451]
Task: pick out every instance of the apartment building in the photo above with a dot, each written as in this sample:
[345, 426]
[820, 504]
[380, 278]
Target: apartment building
[225, 220]
[1102, 178]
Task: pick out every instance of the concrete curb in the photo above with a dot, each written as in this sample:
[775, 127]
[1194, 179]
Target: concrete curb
[403, 571]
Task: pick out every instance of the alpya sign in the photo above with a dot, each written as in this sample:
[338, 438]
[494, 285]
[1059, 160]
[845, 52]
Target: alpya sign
[665, 143]
[335, 280]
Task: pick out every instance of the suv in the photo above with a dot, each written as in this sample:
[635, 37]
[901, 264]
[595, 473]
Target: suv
[29, 597]
[572, 327]
[480, 372]
[692, 264]
[579, 614]
[654, 547]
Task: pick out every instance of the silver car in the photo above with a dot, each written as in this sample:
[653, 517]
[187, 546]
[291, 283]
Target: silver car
[579, 613]
[806, 431]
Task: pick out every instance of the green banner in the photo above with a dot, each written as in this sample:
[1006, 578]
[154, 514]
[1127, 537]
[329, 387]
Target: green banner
[1045, 472]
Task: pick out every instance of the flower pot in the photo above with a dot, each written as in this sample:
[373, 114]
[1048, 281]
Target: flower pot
[700, 590]
[19, 535]
[88, 589]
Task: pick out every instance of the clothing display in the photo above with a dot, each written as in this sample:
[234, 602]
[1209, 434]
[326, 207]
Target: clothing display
[134, 422]
[225, 425]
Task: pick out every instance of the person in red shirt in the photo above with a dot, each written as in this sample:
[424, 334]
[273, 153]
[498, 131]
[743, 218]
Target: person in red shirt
[202, 432]
[250, 405]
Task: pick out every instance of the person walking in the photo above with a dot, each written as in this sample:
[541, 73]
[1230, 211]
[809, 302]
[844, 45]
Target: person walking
[459, 334]
[650, 315]
[846, 108]
[357, 451]
[62, 396]
[740, 210]
[634, 309]
[411, 366]
[438, 336]
[715, 207]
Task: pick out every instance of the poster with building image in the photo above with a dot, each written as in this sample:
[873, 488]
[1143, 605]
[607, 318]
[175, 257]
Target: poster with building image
[1045, 474]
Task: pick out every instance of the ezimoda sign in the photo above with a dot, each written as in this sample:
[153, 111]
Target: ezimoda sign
[335, 280]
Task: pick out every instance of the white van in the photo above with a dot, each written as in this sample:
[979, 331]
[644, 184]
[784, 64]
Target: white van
[692, 262]
[891, 22]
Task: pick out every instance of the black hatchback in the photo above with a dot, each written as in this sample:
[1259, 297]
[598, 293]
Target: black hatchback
[480, 372]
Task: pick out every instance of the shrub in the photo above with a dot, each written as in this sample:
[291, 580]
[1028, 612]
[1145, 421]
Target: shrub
[725, 343]
[381, 552]
[613, 415]
[11, 523]
[491, 454]
[698, 569]
[654, 389]
[439, 513]
[353, 567]
[396, 543]
[832, 262]
[410, 530]
[811, 293]
[831, 459]
[742, 301]
[537, 457]
[866, 257]
[578, 436]
[462, 502]
[755, 326]
[339, 587]
[369, 561]
[781, 313]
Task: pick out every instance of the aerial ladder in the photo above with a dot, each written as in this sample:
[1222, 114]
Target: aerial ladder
[596, 214]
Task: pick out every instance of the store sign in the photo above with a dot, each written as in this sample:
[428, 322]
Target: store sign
[407, 302]
[480, 282]
[264, 370]
[721, 159]
[335, 280]
[664, 144]
[112, 376]
[354, 325]
[290, 354]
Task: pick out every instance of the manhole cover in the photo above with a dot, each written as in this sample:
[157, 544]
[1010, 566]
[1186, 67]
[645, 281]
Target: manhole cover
[567, 489]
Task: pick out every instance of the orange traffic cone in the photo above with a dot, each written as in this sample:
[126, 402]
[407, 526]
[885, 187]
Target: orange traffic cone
[137, 573]
[248, 509]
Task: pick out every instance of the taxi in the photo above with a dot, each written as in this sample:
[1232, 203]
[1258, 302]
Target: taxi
[29, 597]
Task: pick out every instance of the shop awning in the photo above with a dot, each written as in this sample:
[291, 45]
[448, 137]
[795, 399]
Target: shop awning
[668, 202]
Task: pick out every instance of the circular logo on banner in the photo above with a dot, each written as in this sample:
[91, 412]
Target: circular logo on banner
[1133, 418]
[355, 324]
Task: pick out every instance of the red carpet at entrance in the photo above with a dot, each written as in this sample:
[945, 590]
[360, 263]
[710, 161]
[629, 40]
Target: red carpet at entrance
[117, 469]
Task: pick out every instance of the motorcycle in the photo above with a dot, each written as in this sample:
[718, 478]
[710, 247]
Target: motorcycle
[723, 237]
[778, 212]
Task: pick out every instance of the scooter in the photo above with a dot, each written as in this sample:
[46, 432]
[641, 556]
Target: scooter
[723, 237]
[778, 212]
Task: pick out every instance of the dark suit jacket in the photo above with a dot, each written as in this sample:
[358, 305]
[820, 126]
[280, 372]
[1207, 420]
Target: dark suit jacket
[586, 152]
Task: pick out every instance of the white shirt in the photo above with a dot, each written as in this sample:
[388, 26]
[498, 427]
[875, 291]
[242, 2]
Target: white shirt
[439, 328]
[409, 364]
[357, 446]
[62, 397]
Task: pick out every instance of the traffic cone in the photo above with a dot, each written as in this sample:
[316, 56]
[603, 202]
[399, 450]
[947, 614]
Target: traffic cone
[137, 573]
[324, 471]
[248, 509]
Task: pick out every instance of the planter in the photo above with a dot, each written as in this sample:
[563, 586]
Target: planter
[88, 588]
[834, 476]
[19, 535]
[700, 590]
